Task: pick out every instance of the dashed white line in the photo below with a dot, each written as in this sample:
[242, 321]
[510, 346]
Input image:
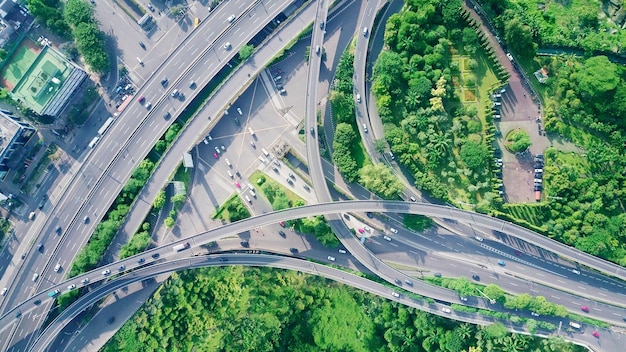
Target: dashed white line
[540, 274]
[581, 287]
[555, 297]
[452, 264]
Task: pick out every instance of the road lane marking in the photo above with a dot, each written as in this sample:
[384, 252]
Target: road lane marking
[452, 264]
[540, 274]
[582, 288]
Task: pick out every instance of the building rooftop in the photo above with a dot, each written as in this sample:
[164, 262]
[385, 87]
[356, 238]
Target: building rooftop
[42, 78]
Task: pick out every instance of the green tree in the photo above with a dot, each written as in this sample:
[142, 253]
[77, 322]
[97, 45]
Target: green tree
[520, 38]
[379, 179]
[474, 155]
[159, 200]
[246, 51]
[169, 222]
[494, 292]
[78, 11]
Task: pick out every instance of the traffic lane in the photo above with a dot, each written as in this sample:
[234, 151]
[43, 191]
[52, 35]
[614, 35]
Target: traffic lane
[142, 143]
[490, 272]
[311, 268]
[490, 253]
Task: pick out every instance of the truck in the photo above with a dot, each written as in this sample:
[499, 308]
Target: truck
[574, 325]
[53, 293]
[181, 247]
[538, 196]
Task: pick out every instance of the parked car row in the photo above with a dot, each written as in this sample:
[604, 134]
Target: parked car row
[538, 179]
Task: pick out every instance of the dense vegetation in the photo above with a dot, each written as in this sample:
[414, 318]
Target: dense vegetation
[585, 102]
[529, 24]
[587, 206]
[252, 309]
[77, 16]
[346, 131]
[427, 94]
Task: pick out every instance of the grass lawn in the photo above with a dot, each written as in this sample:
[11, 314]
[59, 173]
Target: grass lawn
[534, 214]
[360, 154]
[256, 175]
[222, 212]
[184, 175]
[486, 81]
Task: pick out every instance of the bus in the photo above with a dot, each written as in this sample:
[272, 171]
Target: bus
[181, 247]
[93, 142]
[106, 126]
[196, 22]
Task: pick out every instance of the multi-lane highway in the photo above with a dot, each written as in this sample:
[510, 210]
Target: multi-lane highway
[361, 283]
[108, 167]
[92, 171]
[271, 218]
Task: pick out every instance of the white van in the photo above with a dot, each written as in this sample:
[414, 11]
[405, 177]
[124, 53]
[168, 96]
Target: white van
[265, 152]
[252, 193]
[251, 130]
[365, 31]
[227, 162]
[94, 141]
[248, 199]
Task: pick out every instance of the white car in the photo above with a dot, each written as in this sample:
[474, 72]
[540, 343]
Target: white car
[342, 251]
[228, 162]
[35, 277]
[231, 18]
[446, 310]
[331, 258]
[387, 238]
[4, 291]
[57, 268]
[106, 272]
[509, 56]
[358, 98]
[393, 230]
[84, 281]
[227, 46]
[240, 112]
[395, 294]
[71, 287]
[366, 228]
[534, 314]
[479, 239]
[577, 272]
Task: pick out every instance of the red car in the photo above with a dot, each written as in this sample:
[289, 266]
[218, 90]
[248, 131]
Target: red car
[595, 334]
[584, 309]
[141, 99]
[216, 156]
[282, 223]
[238, 184]
[361, 230]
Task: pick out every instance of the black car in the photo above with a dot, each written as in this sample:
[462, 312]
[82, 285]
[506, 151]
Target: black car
[293, 250]
[140, 260]
[164, 82]
[369, 215]
[237, 121]
[245, 244]
[538, 187]
[475, 277]
[538, 175]
[142, 45]
[222, 259]
[155, 255]
[58, 230]
[111, 320]
[40, 247]
[167, 116]
[37, 302]
[282, 234]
